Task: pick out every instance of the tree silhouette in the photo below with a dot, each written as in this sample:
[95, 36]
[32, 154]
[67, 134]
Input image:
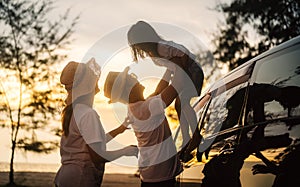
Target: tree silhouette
[31, 46]
[273, 22]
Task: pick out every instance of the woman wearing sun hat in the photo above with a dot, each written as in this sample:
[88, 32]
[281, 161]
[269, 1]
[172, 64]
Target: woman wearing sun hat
[83, 142]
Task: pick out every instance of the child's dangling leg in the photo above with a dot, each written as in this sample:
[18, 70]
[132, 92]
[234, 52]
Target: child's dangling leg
[188, 123]
[184, 126]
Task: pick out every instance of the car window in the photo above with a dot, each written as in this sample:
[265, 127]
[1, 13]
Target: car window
[283, 72]
[199, 106]
[223, 114]
[274, 102]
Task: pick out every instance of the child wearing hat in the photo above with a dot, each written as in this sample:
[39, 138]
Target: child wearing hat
[83, 142]
[158, 161]
[145, 41]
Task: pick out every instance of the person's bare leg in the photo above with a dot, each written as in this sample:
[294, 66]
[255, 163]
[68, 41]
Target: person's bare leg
[188, 120]
[184, 124]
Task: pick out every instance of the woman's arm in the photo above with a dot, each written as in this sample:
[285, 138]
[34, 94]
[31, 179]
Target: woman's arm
[99, 156]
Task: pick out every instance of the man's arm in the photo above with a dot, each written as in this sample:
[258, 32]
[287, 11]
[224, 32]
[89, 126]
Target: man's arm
[163, 83]
[170, 92]
[174, 64]
[99, 156]
[168, 95]
[117, 131]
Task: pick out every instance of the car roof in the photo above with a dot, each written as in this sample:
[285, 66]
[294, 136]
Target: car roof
[243, 72]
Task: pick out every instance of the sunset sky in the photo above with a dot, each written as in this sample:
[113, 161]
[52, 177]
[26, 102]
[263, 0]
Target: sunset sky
[100, 18]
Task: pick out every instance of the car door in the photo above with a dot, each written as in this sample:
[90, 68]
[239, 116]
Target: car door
[221, 121]
[273, 115]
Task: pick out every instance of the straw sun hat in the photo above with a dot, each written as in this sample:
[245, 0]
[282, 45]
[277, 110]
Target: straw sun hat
[80, 79]
[118, 85]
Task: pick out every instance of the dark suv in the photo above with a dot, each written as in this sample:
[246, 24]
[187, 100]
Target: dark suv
[250, 120]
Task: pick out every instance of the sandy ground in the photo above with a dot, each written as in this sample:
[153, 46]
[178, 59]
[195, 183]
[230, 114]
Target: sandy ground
[45, 179]
[191, 177]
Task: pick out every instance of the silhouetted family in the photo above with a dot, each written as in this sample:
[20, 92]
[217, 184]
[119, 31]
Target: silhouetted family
[83, 142]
